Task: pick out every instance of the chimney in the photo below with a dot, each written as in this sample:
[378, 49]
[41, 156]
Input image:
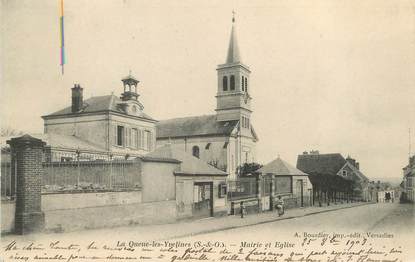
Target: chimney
[351, 161]
[77, 98]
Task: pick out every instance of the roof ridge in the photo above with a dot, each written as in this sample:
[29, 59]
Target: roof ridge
[184, 117]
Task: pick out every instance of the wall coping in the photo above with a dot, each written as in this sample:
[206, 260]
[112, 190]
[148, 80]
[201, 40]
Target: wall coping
[26, 140]
[91, 191]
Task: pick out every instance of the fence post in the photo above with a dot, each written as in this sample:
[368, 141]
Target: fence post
[259, 184]
[273, 189]
[28, 162]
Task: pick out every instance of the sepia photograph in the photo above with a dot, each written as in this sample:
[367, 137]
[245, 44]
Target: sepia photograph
[268, 131]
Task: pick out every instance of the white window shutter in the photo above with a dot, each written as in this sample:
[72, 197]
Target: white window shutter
[114, 135]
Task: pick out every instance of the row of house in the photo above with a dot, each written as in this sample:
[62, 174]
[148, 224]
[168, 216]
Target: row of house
[408, 182]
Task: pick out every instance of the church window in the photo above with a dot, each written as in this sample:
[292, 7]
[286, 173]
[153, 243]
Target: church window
[207, 146]
[120, 135]
[246, 84]
[195, 151]
[232, 87]
[243, 83]
[225, 83]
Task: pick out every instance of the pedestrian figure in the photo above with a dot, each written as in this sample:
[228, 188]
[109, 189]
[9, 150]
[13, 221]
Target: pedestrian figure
[243, 211]
[280, 206]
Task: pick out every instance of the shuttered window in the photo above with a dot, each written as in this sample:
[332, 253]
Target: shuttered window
[114, 135]
[120, 135]
[134, 137]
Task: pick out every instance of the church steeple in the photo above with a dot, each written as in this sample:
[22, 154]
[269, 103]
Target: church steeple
[233, 49]
[233, 99]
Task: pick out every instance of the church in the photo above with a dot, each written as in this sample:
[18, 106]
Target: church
[226, 139]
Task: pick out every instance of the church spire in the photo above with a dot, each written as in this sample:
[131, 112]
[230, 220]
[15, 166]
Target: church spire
[233, 50]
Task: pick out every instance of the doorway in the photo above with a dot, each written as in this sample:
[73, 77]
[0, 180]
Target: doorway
[300, 192]
[202, 199]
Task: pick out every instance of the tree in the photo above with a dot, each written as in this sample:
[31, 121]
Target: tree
[8, 131]
[249, 168]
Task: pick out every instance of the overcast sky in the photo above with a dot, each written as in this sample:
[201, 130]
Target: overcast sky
[333, 76]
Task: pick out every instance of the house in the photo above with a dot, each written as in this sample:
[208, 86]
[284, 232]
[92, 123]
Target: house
[335, 169]
[115, 125]
[292, 184]
[226, 139]
[408, 182]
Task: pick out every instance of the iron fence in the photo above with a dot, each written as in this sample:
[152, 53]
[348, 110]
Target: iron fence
[82, 173]
[8, 178]
[242, 188]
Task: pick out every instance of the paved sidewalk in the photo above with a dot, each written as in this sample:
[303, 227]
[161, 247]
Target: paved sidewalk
[182, 228]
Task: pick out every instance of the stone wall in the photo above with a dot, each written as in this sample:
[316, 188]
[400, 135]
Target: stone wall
[64, 220]
[8, 209]
[66, 201]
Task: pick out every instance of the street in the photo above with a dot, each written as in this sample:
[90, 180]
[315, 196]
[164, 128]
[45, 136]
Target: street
[390, 219]
[382, 217]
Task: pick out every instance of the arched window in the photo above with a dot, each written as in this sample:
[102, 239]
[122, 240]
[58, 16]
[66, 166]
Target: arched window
[195, 151]
[243, 83]
[232, 82]
[246, 84]
[225, 83]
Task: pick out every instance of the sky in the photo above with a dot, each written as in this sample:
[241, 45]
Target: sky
[333, 76]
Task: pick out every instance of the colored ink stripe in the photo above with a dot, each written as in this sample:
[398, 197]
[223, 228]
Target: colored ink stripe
[62, 55]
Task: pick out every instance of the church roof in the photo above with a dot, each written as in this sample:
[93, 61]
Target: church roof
[327, 164]
[98, 104]
[190, 165]
[281, 168]
[233, 49]
[205, 125]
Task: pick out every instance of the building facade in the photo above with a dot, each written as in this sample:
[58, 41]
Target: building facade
[226, 139]
[320, 165]
[116, 125]
[408, 182]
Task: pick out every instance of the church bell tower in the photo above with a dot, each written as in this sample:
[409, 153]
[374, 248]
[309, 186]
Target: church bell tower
[233, 99]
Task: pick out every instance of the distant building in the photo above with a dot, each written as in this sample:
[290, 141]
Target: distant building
[408, 182]
[314, 163]
[226, 139]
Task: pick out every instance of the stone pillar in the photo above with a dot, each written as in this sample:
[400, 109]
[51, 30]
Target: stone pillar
[273, 192]
[28, 162]
[259, 184]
